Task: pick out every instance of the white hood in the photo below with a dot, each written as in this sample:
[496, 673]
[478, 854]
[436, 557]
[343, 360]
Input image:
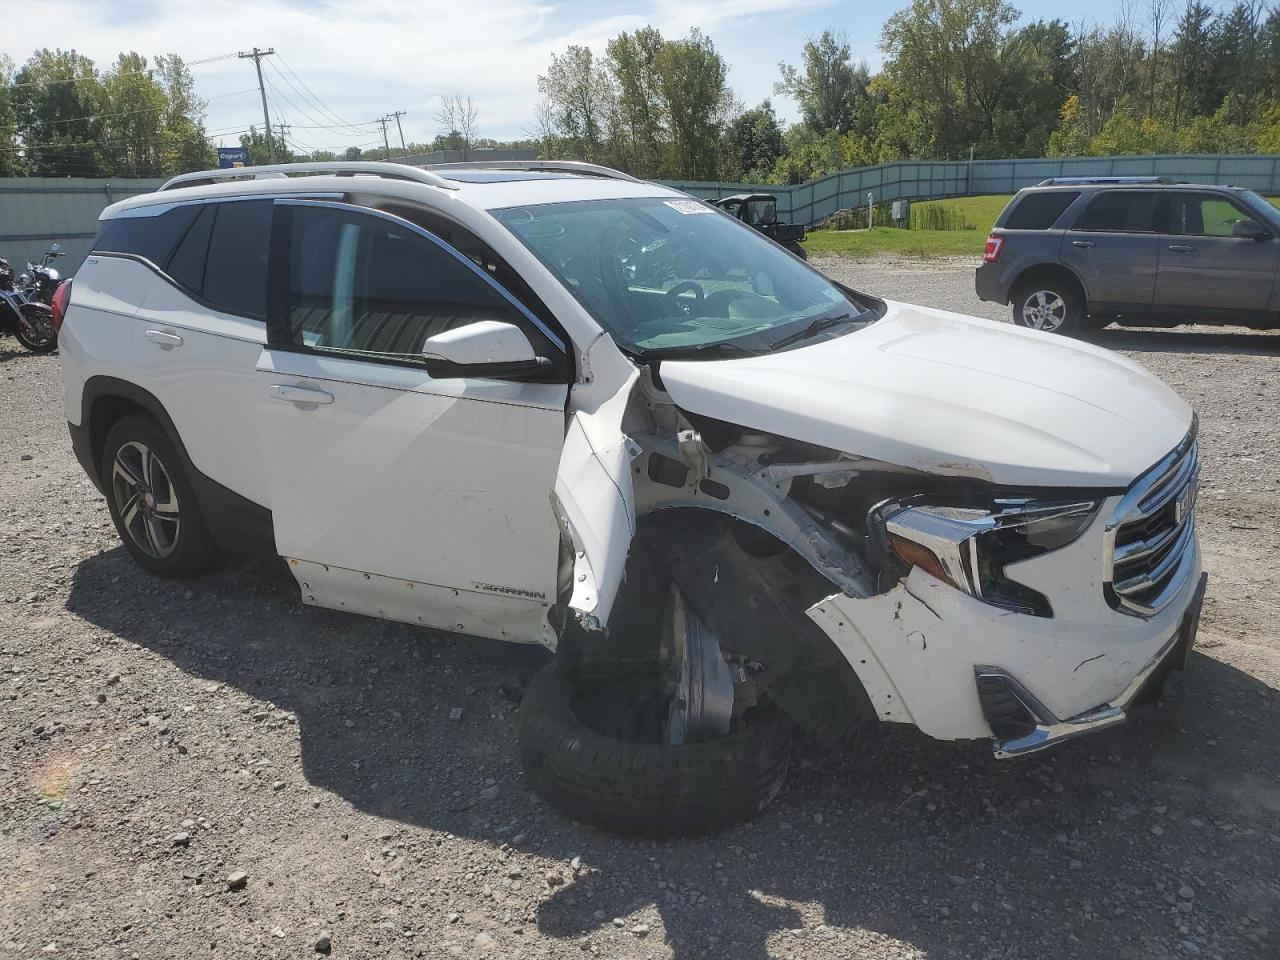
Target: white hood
[951, 394]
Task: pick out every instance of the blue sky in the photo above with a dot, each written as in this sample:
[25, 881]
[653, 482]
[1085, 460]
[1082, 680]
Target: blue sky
[345, 62]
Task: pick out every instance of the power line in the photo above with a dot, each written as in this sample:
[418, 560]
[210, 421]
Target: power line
[317, 100]
[94, 76]
[312, 98]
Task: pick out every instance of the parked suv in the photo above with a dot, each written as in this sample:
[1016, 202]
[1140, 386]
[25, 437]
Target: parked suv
[1077, 253]
[548, 403]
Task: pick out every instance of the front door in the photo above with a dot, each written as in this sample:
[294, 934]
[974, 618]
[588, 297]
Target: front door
[1202, 264]
[1112, 247]
[395, 494]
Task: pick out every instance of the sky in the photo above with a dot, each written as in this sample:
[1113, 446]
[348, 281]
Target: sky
[341, 63]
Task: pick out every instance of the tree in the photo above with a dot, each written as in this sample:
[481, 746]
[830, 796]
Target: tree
[692, 77]
[184, 145]
[10, 162]
[56, 101]
[457, 115]
[638, 123]
[577, 87]
[827, 87]
[753, 143]
[132, 116]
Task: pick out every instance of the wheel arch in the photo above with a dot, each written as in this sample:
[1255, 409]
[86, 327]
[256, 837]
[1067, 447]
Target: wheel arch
[1048, 270]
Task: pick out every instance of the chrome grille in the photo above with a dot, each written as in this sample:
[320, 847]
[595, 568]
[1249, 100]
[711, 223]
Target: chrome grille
[1151, 531]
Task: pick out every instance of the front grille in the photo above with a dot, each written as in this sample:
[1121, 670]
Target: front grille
[1152, 529]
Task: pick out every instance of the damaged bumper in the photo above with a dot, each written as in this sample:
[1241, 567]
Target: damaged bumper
[958, 668]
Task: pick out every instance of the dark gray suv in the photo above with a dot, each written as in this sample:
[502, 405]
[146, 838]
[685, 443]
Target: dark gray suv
[1075, 254]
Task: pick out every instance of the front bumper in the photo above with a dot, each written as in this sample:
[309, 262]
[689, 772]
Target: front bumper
[1021, 724]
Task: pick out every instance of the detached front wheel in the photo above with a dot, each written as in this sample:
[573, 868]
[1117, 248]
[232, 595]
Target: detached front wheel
[659, 747]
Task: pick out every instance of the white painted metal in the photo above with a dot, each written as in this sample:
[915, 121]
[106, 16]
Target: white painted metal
[952, 395]
[439, 482]
[485, 341]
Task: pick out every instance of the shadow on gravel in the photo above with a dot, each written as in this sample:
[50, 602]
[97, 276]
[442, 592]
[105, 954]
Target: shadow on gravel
[1151, 340]
[1078, 853]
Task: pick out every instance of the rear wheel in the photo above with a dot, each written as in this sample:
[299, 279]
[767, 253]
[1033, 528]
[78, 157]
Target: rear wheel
[41, 337]
[1050, 303]
[151, 500]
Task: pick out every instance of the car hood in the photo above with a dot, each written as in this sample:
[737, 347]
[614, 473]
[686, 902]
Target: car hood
[952, 395]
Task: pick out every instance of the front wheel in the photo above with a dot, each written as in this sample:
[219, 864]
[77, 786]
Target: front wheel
[1051, 304]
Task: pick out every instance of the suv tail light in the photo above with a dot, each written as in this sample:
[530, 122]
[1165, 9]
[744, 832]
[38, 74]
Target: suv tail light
[61, 297]
[994, 243]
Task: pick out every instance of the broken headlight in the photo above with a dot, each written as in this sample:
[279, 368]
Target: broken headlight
[970, 546]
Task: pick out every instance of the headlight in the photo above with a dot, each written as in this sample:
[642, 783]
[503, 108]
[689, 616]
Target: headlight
[969, 546]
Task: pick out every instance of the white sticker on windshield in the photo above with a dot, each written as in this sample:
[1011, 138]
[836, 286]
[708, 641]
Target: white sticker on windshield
[690, 206]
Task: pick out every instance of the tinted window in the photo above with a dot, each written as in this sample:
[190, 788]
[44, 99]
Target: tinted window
[1039, 211]
[1121, 211]
[362, 284]
[149, 237]
[186, 266]
[1203, 214]
[235, 273]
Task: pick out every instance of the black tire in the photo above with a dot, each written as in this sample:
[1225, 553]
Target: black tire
[1053, 303]
[648, 789]
[798, 250]
[189, 549]
[46, 339]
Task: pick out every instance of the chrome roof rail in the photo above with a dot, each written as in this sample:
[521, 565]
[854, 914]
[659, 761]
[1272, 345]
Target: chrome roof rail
[339, 168]
[538, 166]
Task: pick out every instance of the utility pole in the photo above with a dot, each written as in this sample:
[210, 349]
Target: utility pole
[282, 133]
[256, 57]
[385, 143]
[398, 114]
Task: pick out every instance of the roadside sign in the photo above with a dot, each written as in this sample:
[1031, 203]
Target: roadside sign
[233, 157]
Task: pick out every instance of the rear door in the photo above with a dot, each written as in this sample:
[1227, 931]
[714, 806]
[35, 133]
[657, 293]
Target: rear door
[1202, 264]
[1113, 247]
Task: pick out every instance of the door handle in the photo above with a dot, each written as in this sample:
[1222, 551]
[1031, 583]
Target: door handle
[1181, 247]
[1082, 243]
[301, 395]
[164, 338]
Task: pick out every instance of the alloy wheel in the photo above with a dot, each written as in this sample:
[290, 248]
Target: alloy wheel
[146, 499]
[1044, 310]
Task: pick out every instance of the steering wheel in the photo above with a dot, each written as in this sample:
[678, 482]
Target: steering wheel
[673, 295]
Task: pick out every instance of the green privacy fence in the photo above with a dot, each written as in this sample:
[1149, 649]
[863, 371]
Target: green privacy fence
[935, 179]
[35, 212]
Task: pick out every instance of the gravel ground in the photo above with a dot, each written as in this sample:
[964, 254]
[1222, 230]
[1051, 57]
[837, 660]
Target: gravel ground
[213, 769]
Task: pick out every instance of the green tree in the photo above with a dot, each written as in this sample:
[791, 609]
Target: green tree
[57, 98]
[577, 87]
[638, 123]
[184, 145]
[132, 118]
[10, 161]
[753, 143]
[827, 87]
[693, 80]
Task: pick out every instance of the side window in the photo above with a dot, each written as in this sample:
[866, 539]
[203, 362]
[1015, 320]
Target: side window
[360, 284]
[150, 237]
[1203, 215]
[1121, 211]
[1040, 211]
[186, 266]
[235, 272]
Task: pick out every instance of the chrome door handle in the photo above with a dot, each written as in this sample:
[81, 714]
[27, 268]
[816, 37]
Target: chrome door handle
[1181, 247]
[165, 339]
[1082, 243]
[295, 394]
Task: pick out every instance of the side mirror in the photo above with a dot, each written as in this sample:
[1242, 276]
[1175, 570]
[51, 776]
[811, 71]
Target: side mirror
[486, 348]
[1249, 230]
[56, 248]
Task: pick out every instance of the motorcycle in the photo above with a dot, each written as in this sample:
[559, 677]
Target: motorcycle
[23, 316]
[40, 282]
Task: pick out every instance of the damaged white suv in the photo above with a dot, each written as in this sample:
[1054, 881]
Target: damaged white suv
[549, 403]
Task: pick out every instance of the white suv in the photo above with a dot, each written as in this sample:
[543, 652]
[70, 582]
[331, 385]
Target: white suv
[472, 398]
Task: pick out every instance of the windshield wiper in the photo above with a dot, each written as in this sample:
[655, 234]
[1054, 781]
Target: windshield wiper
[813, 329]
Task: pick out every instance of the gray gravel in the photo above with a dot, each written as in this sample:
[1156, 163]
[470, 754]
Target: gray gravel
[213, 769]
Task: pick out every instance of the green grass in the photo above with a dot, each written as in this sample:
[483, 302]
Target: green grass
[981, 212]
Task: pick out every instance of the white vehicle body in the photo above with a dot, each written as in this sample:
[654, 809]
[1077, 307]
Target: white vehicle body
[499, 507]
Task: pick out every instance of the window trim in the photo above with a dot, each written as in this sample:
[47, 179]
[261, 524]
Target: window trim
[1157, 216]
[1223, 197]
[279, 261]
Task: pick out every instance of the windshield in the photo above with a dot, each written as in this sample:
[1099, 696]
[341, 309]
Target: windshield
[670, 277]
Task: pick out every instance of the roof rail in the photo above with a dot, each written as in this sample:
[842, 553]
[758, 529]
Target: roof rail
[538, 166]
[339, 168]
[1064, 181]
